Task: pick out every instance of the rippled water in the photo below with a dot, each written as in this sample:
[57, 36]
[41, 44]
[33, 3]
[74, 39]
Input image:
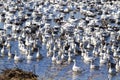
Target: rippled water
[48, 71]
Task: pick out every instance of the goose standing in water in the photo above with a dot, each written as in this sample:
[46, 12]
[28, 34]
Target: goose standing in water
[38, 55]
[29, 56]
[53, 57]
[10, 55]
[117, 66]
[69, 57]
[93, 65]
[48, 45]
[16, 57]
[8, 45]
[87, 58]
[88, 46]
[102, 60]
[49, 52]
[3, 51]
[115, 54]
[58, 60]
[63, 56]
[111, 70]
[76, 68]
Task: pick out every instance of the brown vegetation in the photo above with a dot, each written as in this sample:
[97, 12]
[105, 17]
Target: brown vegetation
[17, 74]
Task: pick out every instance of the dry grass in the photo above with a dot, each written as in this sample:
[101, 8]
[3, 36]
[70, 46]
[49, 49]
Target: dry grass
[17, 74]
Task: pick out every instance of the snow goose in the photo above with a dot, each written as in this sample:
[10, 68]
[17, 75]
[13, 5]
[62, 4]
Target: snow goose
[95, 52]
[3, 50]
[76, 68]
[49, 52]
[111, 70]
[69, 57]
[87, 58]
[102, 61]
[93, 65]
[8, 45]
[38, 55]
[118, 49]
[53, 57]
[10, 55]
[16, 57]
[88, 46]
[29, 56]
[60, 52]
[115, 54]
[63, 56]
[117, 66]
[58, 60]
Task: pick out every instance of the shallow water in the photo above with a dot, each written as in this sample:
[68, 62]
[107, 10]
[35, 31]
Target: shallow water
[49, 71]
[46, 70]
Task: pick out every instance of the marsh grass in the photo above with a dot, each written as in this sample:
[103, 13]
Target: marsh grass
[17, 74]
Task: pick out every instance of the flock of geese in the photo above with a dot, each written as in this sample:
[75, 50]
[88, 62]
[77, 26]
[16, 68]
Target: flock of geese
[68, 28]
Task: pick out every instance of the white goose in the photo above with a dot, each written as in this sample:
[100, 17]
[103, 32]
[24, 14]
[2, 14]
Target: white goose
[16, 57]
[3, 50]
[53, 58]
[69, 57]
[117, 66]
[76, 68]
[88, 46]
[93, 65]
[49, 53]
[115, 53]
[87, 58]
[23, 49]
[10, 55]
[102, 60]
[118, 49]
[48, 45]
[58, 61]
[63, 56]
[95, 52]
[54, 48]
[29, 57]
[112, 70]
[8, 44]
[59, 44]
[60, 52]
[38, 55]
